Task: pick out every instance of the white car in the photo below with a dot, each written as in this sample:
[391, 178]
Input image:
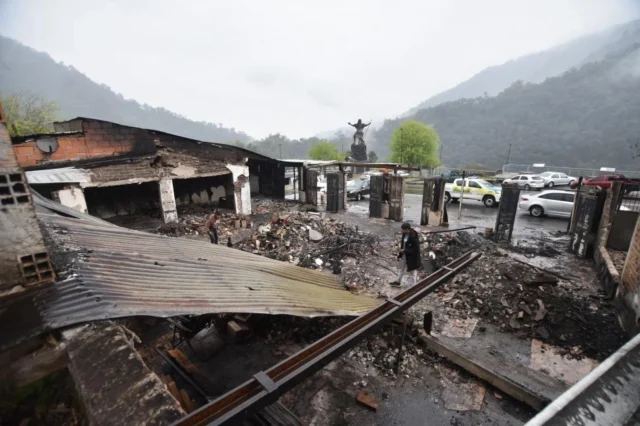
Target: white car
[548, 203]
[367, 175]
[552, 179]
[527, 181]
[473, 189]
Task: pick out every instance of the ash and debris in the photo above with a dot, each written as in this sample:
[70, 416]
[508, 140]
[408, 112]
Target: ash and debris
[572, 314]
[618, 258]
[191, 220]
[311, 240]
[559, 308]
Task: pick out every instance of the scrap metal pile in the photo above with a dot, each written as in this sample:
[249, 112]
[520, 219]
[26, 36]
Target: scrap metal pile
[310, 240]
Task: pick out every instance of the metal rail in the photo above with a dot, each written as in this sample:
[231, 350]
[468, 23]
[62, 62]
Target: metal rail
[267, 386]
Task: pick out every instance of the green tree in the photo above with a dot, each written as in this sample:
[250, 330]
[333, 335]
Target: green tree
[28, 114]
[415, 144]
[373, 157]
[325, 150]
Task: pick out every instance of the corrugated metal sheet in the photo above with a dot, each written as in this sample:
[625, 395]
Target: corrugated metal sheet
[62, 175]
[116, 272]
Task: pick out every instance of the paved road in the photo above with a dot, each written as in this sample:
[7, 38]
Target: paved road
[476, 214]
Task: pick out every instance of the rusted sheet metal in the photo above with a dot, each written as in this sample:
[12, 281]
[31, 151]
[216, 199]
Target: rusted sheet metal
[117, 272]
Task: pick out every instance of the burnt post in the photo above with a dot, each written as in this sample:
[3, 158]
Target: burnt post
[376, 196]
[335, 192]
[433, 202]
[588, 210]
[507, 212]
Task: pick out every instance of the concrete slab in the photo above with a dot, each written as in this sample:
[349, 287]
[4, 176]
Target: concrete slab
[569, 370]
[503, 361]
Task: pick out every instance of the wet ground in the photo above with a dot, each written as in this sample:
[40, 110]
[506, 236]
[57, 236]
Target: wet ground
[474, 213]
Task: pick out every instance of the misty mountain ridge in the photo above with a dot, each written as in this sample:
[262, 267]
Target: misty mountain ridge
[23, 69]
[587, 117]
[537, 67]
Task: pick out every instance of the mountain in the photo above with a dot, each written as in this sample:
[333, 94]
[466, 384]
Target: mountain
[537, 67]
[587, 117]
[23, 69]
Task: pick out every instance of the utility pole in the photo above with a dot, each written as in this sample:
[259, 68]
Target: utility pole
[280, 145]
[509, 154]
[401, 145]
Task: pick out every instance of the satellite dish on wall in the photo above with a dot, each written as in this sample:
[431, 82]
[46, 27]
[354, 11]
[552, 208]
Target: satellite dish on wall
[47, 145]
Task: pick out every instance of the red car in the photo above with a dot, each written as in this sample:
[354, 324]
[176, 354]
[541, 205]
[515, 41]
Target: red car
[605, 182]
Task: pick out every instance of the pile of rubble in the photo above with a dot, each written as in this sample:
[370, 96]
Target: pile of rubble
[260, 205]
[309, 240]
[529, 301]
[192, 218]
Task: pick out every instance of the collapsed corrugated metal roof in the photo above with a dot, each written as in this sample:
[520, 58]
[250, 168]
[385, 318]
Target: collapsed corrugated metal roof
[115, 272]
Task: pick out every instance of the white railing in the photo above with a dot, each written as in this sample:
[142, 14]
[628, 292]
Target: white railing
[571, 171]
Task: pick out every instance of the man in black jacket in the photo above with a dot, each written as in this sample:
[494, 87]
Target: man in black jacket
[409, 255]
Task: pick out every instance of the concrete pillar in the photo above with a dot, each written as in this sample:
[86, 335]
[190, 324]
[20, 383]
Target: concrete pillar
[73, 198]
[167, 201]
[628, 294]
[241, 188]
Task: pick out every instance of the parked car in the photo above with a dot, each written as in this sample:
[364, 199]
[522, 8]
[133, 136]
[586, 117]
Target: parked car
[358, 189]
[403, 173]
[367, 175]
[548, 203]
[552, 179]
[605, 181]
[527, 181]
[474, 189]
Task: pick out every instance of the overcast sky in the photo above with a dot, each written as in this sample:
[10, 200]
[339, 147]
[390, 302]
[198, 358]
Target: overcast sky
[295, 67]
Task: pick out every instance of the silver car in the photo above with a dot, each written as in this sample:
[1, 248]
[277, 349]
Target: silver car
[552, 179]
[548, 203]
[527, 181]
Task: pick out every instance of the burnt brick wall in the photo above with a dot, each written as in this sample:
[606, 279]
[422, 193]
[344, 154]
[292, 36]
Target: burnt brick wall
[213, 151]
[98, 139]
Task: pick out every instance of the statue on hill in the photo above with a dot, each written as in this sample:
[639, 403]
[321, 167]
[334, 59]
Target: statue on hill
[358, 136]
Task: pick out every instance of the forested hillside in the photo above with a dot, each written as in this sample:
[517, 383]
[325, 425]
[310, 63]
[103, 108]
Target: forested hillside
[587, 117]
[26, 70]
[537, 67]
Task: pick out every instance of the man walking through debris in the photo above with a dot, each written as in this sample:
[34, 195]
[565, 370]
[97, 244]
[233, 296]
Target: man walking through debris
[211, 226]
[409, 255]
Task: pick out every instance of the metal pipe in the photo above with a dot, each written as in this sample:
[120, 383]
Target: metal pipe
[609, 395]
[448, 230]
[266, 387]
